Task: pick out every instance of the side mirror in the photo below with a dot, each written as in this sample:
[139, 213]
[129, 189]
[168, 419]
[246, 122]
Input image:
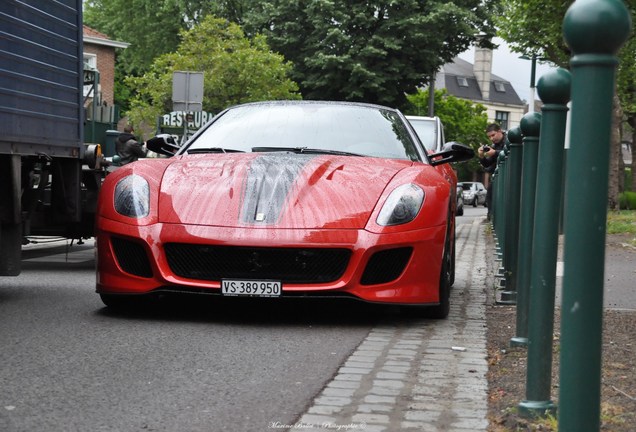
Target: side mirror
[452, 152]
[163, 144]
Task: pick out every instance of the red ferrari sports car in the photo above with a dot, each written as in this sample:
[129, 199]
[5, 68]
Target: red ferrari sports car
[284, 199]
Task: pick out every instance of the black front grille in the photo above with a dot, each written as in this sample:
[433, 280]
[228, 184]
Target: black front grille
[289, 265]
[131, 257]
[386, 265]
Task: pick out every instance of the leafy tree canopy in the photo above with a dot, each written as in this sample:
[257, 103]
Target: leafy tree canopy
[236, 70]
[372, 51]
[463, 120]
[536, 27]
[150, 27]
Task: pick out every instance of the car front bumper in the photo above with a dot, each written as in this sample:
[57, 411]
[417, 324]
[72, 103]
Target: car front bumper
[143, 265]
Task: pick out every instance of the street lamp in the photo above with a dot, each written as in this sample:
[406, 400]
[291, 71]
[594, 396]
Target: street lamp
[533, 73]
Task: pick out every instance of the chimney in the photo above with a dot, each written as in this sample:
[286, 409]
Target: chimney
[483, 69]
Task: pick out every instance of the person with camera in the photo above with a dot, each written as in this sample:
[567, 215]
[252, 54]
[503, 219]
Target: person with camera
[488, 155]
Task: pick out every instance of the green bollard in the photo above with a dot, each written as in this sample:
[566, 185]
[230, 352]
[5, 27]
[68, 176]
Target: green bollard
[594, 30]
[530, 127]
[512, 200]
[493, 204]
[499, 211]
[501, 174]
[554, 91]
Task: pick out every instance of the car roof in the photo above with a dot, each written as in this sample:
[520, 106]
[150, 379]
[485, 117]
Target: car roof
[316, 102]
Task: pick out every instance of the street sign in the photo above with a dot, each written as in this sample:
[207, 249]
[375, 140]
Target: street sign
[187, 91]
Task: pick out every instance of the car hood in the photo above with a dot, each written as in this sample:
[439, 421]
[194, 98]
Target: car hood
[283, 190]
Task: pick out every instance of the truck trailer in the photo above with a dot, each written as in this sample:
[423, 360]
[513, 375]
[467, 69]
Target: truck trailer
[49, 179]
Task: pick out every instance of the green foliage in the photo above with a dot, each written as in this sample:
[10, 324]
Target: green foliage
[626, 76]
[372, 51]
[150, 27]
[236, 70]
[627, 200]
[463, 120]
[535, 27]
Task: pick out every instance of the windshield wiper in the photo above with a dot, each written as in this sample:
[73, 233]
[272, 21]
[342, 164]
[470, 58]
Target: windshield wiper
[213, 150]
[304, 150]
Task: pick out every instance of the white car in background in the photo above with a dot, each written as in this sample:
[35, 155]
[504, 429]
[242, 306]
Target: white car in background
[430, 131]
[474, 193]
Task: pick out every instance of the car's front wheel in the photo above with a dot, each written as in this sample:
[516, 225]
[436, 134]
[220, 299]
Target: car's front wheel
[442, 310]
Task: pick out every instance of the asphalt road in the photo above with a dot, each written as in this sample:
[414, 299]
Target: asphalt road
[193, 364]
[69, 364]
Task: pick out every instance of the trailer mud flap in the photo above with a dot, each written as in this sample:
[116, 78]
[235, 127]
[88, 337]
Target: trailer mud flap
[11, 249]
[10, 215]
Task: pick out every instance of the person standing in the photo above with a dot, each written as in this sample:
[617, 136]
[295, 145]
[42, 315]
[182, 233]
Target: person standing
[489, 154]
[128, 148]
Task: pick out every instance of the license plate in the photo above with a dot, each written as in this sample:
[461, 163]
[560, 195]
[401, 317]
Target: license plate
[256, 288]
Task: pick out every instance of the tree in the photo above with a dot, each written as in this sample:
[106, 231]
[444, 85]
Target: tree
[463, 120]
[236, 70]
[626, 82]
[371, 51]
[151, 27]
[535, 27]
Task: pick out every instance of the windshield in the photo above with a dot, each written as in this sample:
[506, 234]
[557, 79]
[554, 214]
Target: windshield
[346, 128]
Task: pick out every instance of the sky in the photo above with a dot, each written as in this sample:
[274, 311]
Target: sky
[509, 66]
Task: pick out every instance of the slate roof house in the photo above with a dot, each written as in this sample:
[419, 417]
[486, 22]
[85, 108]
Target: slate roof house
[477, 83]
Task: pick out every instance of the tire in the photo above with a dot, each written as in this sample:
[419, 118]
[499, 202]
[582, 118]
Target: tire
[442, 310]
[474, 203]
[452, 272]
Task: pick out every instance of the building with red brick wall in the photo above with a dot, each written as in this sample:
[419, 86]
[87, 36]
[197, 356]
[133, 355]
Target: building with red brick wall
[99, 53]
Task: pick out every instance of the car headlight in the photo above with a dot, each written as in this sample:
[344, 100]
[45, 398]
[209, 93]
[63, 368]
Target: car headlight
[402, 205]
[132, 196]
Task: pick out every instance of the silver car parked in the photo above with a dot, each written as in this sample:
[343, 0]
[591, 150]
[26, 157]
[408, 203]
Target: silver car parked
[474, 193]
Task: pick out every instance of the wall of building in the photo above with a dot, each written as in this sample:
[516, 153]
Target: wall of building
[106, 67]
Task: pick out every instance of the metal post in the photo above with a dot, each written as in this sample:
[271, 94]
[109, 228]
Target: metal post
[499, 221]
[512, 199]
[431, 95]
[594, 30]
[530, 127]
[554, 91]
[498, 196]
[533, 74]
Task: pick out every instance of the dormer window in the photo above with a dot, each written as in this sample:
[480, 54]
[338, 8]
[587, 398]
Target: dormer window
[462, 81]
[500, 87]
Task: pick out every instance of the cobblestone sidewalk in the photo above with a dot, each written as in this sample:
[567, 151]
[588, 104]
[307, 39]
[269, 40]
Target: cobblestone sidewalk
[418, 375]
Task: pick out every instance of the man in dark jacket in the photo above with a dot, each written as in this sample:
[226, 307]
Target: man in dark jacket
[489, 154]
[128, 148]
